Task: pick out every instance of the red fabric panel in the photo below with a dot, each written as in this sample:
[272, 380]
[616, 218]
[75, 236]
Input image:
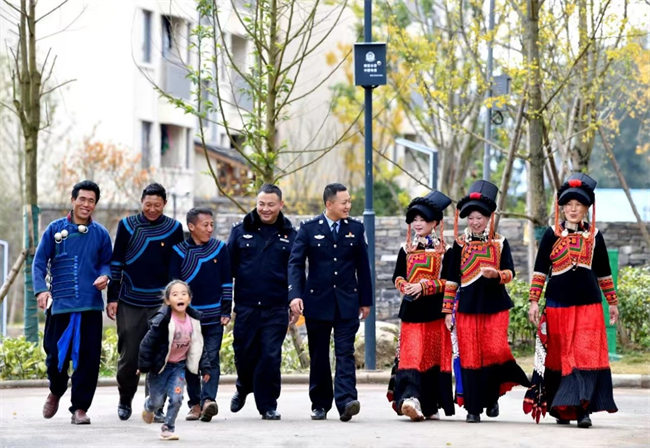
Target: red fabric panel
[424, 345]
[483, 339]
[576, 338]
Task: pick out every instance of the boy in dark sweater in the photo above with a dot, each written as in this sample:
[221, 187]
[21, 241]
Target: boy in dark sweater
[203, 263]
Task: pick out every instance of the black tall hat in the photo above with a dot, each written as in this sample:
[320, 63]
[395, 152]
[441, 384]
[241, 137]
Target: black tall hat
[482, 197]
[578, 186]
[430, 207]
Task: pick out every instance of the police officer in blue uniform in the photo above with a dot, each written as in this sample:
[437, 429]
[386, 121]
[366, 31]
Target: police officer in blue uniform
[259, 249]
[335, 295]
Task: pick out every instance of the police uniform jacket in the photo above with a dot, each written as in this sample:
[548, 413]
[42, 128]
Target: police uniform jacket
[339, 271]
[259, 258]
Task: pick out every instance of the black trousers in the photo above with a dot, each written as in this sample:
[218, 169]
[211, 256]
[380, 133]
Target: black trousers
[84, 377]
[320, 374]
[132, 325]
[257, 342]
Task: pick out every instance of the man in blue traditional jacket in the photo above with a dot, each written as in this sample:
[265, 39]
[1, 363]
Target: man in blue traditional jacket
[140, 271]
[203, 263]
[75, 252]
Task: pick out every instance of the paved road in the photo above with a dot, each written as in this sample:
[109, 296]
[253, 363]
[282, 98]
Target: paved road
[21, 424]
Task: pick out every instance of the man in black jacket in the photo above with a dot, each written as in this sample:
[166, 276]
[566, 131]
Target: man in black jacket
[259, 248]
[335, 295]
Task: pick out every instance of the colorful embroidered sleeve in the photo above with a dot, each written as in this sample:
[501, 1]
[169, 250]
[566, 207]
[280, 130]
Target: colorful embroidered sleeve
[449, 297]
[400, 284]
[607, 287]
[505, 276]
[432, 286]
[536, 286]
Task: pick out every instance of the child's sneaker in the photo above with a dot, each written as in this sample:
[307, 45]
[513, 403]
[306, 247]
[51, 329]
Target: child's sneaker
[166, 434]
[147, 416]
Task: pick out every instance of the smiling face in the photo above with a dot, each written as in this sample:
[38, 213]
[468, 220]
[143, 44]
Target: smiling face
[268, 207]
[153, 206]
[178, 299]
[422, 227]
[574, 211]
[83, 206]
[201, 229]
[339, 206]
[477, 222]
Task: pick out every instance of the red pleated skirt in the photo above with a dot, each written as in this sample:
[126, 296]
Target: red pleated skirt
[577, 375]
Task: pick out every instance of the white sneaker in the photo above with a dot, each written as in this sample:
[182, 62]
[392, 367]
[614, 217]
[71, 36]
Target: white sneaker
[411, 408]
[435, 416]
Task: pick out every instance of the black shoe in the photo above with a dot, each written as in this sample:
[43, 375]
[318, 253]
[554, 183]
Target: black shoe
[584, 421]
[123, 411]
[561, 421]
[352, 408]
[271, 415]
[493, 411]
[159, 416]
[473, 418]
[318, 414]
[237, 402]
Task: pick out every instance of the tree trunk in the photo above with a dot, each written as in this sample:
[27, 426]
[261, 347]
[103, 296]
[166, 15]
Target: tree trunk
[535, 125]
[29, 110]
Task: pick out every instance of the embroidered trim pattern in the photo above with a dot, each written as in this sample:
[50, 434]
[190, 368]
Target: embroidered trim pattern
[432, 286]
[476, 255]
[450, 295]
[536, 286]
[607, 287]
[400, 284]
[505, 276]
[571, 251]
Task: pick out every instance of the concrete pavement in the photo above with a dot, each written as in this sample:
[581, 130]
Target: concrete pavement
[22, 425]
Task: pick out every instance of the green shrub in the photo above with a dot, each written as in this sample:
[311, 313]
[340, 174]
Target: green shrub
[521, 332]
[21, 359]
[109, 357]
[634, 307]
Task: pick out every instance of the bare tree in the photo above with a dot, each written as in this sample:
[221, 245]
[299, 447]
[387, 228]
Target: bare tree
[30, 85]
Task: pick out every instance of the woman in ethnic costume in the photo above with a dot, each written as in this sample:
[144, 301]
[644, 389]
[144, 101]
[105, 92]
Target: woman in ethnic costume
[481, 266]
[422, 383]
[576, 378]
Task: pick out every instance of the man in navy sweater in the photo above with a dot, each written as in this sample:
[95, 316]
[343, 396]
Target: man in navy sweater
[140, 271]
[203, 263]
[259, 249]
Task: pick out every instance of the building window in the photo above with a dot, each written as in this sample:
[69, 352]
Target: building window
[146, 36]
[145, 143]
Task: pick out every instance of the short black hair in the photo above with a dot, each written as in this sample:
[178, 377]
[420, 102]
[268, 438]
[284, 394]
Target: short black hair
[194, 213]
[85, 185]
[331, 190]
[271, 189]
[154, 189]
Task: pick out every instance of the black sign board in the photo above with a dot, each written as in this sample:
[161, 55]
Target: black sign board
[369, 64]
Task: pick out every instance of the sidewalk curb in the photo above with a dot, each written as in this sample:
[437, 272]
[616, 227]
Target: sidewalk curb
[638, 381]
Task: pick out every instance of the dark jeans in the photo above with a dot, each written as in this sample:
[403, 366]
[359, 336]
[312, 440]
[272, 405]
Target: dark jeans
[320, 374]
[197, 390]
[258, 335]
[84, 378]
[169, 383]
[132, 325]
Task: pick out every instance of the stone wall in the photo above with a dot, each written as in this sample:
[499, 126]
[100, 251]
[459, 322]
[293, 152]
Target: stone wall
[390, 233]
